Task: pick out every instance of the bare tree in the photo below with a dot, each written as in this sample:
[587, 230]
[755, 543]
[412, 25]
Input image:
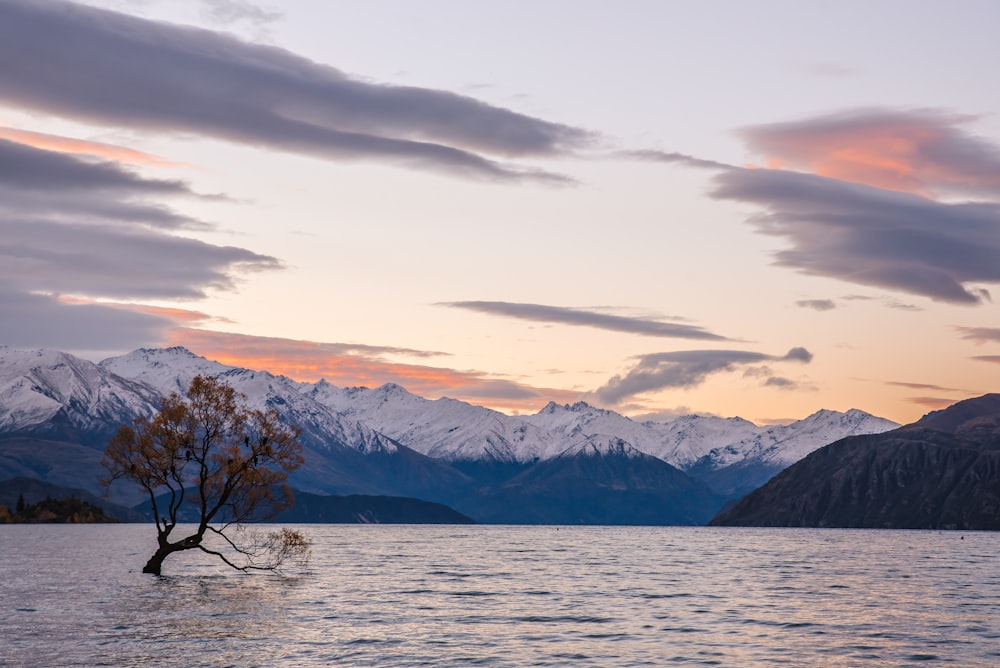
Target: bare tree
[230, 463]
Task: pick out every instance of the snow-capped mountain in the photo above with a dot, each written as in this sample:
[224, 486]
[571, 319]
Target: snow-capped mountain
[680, 442]
[444, 429]
[786, 444]
[603, 446]
[58, 393]
[169, 370]
[389, 441]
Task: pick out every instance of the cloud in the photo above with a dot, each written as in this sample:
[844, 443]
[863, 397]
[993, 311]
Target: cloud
[42, 321]
[38, 182]
[351, 365]
[571, 316]
[684, 369]
[887, 301]
[933, 403]
[920, 151]
[871, 236]
[225, 12]
[108, 261]
[817, 304]
[74, 231]
[113, 69]
[993, 359]
[980, 334]
[668, 157]
[922, 386]
[667, 414]
[97, 149]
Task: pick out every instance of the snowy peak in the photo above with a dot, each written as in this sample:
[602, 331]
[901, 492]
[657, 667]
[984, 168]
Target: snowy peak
[40, 387]
[606, 446]
[444, 428]
[168, 370]
[783, 445]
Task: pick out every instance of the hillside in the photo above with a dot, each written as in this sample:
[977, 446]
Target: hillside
[941, 472]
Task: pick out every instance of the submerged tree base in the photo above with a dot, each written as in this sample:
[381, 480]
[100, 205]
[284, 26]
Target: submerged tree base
[256, 551]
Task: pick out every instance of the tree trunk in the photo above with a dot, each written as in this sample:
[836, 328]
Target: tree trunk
[155, 563]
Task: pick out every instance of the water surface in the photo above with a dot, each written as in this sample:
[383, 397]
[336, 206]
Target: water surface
[509, 596]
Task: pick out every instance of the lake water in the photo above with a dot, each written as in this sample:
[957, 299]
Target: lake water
[508, 596]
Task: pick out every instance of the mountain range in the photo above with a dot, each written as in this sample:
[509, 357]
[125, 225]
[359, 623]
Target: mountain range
[566, 464]
[941, 472]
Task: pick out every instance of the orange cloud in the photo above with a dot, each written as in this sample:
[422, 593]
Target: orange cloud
[348, 365]
[68, 145]
[933, 403]
[921, 152]
[177, 315]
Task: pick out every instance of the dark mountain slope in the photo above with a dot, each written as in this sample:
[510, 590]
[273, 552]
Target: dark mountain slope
[942, 472]
[362, 509]
[613, 484]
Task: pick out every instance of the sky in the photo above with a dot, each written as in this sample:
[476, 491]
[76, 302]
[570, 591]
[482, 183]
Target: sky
[660, 208]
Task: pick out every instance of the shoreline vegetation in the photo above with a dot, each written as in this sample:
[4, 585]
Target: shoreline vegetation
[70, 510]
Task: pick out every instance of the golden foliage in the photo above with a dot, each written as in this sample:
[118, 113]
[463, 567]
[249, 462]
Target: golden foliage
[232, 459]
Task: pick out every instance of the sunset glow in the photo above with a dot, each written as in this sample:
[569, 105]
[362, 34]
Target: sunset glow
[748, 218]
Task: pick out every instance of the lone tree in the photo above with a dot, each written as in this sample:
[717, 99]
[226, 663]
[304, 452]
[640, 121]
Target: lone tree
[211, 454]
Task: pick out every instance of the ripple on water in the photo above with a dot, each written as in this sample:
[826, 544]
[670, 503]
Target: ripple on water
[510, 596]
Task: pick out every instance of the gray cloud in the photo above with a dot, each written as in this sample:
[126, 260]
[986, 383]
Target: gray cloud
[109, 261]
[887, 301]
[225, 12]
[922, 386]
[870, 236]
[109, 68]
[817, 304]
[994, 359]
[34, 321]
[669, 157]
[931, 402]
[37, 182]
[917, 150]
[980, 334]
[571, 316]
[684, 369]
[74, 226]
[91, 229]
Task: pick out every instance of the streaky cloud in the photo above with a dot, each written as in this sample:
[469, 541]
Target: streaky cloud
[107, 68]
[933, 403]
[93, 229]
[922, 386]
[109, 261]
[24, 166]
[34, 320]
[993, 359]
[871, 236]
[225, 12]
[980, 334]
[817, 304]
[922, 151]
[587, 318]
[684, 369]
[64, 145]
[669, 157]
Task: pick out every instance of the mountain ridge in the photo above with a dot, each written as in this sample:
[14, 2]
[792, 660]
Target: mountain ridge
[381, 441]
[940, 472]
